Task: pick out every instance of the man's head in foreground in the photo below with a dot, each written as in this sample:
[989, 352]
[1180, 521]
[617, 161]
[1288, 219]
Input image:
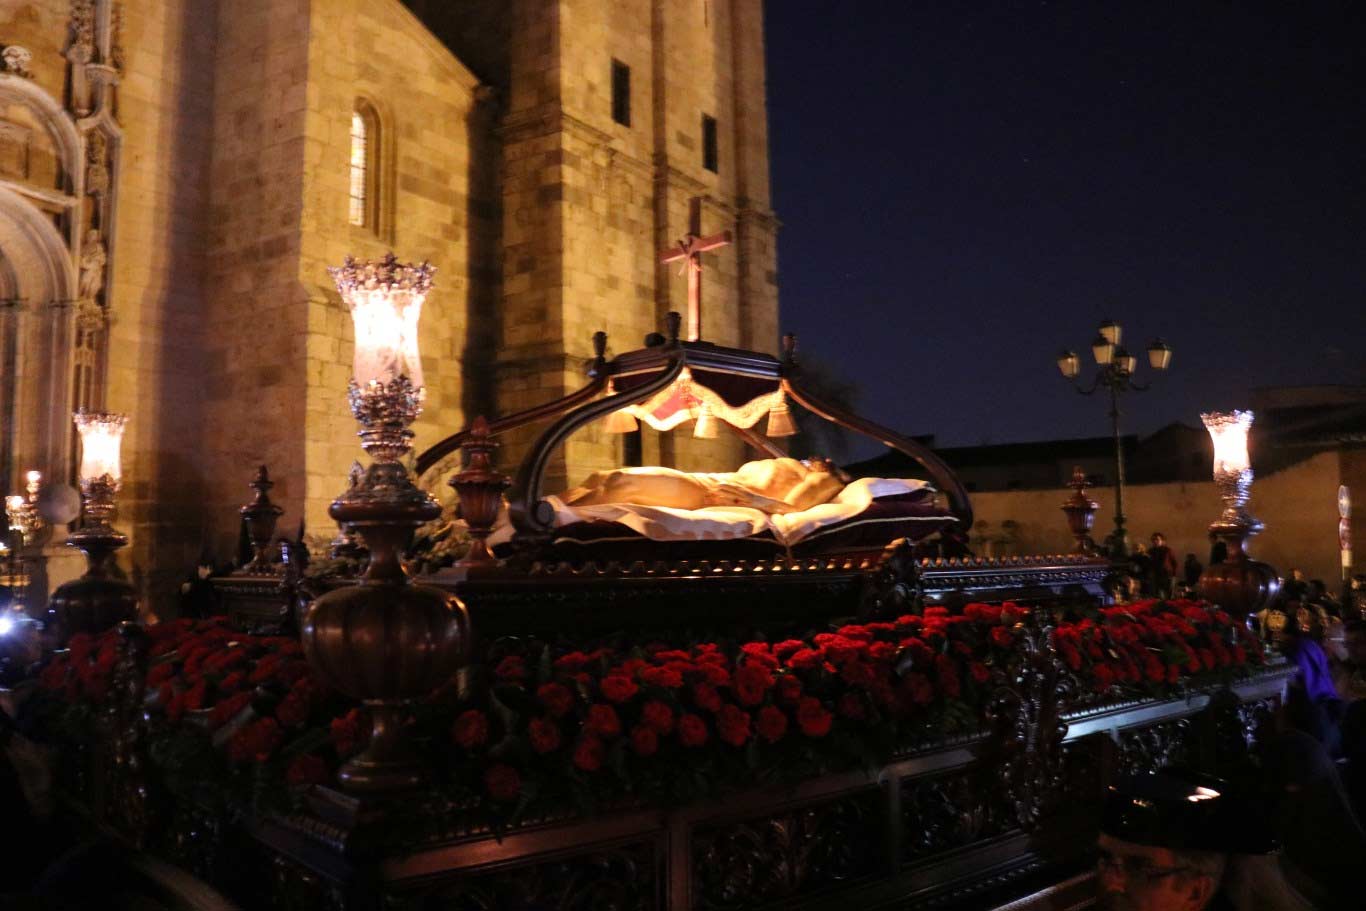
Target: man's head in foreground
[1165, 840]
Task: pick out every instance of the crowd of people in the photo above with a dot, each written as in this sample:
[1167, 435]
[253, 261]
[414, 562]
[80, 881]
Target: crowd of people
[1284, 831]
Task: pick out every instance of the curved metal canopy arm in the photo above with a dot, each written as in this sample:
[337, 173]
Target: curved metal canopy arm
[438, 451]
[940, 473]
[530, 515]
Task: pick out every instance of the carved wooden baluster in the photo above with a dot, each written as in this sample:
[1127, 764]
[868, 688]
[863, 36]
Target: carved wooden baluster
[480, 489]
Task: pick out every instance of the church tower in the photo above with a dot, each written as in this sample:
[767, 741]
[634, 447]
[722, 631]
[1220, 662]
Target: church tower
[615, 116]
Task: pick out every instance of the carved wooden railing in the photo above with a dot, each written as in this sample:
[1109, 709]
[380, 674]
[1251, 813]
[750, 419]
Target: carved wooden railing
[944, 824]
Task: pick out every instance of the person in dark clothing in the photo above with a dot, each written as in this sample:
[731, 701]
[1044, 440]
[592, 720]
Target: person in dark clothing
[1312, 703]
[1295, 588]
[1162, 567]
[1191, 570]
[1321, 836]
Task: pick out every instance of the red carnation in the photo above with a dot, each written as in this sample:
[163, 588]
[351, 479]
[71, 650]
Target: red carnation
[160, 674]
[644, 741]
[556, 698]
[947, 672]
[751, 682]
[732, 725]
[589, 754]
[667, 677]
[571, 663]
[175, 709]
[603, 722]
[502, 782]
[714, 674]
[544, 735]
[706, 697]
[226, 710]
[789, 689]
[658, 717]
[1105, 677]
[858, 673]
[194, 699]
[511, 668]
[852, 707]
[258, 741]
[232, 682]
[306, 769]
[617, 688]
[805, 660]
[771, 723]
[346, 732]
[812, 717]
[787, 648]
[980, 672]
[692, 731]
[471, 729]
[293, 709]
[917, 687]
[1002, 636]
[164, 695]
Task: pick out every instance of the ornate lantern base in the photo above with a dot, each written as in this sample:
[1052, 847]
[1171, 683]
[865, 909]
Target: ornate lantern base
[1240, 585]
[97, 601]
[385, 641]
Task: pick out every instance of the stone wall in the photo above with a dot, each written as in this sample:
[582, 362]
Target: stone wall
[157, 305]
[436, 205]
[1297, 504]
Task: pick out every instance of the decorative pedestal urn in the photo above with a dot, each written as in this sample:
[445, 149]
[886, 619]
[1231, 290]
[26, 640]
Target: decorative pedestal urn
[385, 641]
[1240, 585]
[260, 515]
[1081, 513]
[98, 600]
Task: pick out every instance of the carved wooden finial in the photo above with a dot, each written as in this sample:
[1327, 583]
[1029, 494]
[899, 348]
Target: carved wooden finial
[1080, 511]
[599, 345]
[260, 515]
[789, 347]
[480, 489]
[673, 322]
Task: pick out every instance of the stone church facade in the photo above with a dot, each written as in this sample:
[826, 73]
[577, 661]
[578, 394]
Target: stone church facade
[175, 176]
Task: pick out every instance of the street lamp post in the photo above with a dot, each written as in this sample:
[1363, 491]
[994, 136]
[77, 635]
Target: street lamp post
[1116, 375]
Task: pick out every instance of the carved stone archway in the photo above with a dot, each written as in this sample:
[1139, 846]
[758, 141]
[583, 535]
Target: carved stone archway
[38, 278]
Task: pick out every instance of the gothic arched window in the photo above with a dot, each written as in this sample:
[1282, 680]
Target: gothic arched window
[364, 212]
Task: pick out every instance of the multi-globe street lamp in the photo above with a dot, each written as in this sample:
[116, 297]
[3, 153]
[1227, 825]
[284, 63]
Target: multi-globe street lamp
[1115, 373]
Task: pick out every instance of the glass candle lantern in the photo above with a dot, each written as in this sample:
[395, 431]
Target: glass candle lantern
[1229, 433]
[385, 298]
[101, 438]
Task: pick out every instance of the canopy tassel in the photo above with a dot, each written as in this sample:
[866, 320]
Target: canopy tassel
[780, 423]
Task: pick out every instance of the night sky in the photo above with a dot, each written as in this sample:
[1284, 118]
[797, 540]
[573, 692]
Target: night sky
[966, 189]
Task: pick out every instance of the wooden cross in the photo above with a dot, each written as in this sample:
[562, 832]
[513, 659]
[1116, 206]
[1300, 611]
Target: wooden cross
[690, 249]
